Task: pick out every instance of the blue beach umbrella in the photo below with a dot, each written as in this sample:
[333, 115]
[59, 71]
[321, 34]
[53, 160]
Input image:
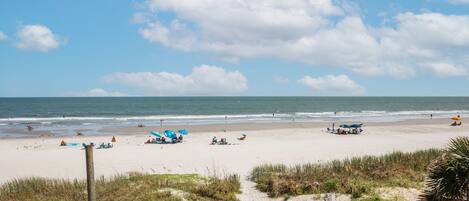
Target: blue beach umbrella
[183, 132]
[156, 134]
[170, 134]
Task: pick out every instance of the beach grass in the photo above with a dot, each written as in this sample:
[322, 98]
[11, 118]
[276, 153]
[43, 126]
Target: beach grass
[356, 176]
[134, 186]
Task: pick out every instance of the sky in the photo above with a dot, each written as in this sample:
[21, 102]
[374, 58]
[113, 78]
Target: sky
[234, 48]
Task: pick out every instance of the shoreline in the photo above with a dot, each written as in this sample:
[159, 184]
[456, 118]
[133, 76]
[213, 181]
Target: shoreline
[218, 127]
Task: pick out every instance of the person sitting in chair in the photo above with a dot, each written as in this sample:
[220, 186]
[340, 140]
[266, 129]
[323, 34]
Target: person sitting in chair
[180, 138]
[223, 141]
[214, 140]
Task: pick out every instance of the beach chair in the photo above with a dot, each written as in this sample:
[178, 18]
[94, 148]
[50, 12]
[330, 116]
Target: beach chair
[214, 141]
[243, 137]
[157, 141]
[101, 146]
[223, 141]
[105, 146]
[180, 138]
[174, 140]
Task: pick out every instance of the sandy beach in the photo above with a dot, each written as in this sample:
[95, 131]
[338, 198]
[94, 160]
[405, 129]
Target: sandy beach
[288, 143]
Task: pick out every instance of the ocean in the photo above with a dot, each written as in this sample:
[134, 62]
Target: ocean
[69, 114]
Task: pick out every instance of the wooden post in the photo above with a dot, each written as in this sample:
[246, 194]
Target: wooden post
[91, 185]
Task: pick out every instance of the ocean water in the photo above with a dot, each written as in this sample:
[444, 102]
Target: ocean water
[65, 115]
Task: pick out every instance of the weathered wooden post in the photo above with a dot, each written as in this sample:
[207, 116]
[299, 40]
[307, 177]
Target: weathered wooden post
[91, 185]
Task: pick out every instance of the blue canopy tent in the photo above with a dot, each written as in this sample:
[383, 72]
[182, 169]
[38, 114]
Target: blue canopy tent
[356, 125]
[183, 132]
[344, 126]
[156, 134]
[170, 134]
[351, 126]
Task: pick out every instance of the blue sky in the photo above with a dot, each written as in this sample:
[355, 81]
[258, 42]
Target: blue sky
[166, 48]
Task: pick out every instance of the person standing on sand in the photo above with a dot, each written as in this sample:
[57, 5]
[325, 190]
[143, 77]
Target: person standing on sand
[431, 116]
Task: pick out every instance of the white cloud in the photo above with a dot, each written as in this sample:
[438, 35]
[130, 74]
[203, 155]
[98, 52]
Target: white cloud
[444, 69]
[319, 33]
[37, 38]
[332, 85]
[2, 36]
[96, 92]
[458, 2]
[203, 80]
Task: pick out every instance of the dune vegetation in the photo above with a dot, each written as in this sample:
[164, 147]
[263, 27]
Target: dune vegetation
[356, 176]
[135, 186]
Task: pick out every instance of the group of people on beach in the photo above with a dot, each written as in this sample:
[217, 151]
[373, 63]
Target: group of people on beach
[342, 131]
[223, 141]
[164, 140]
[457, 121]
[345, 129]
[102, 145]
[167, 137]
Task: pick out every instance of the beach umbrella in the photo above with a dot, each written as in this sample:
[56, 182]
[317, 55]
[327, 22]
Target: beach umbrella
[456, 118]
[156, 134]
[170, 134]
[183, 132]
